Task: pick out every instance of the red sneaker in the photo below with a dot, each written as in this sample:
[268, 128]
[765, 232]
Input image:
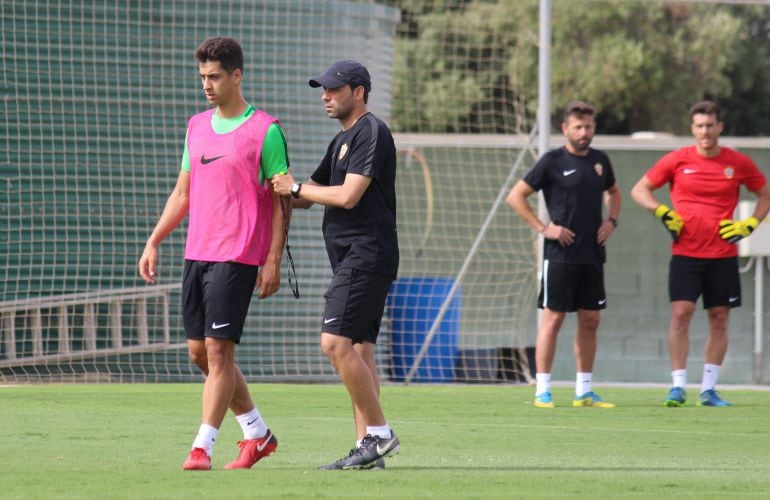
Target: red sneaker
[198, 460]
[253, 450]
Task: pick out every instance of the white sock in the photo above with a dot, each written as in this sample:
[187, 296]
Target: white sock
[543, 383]
[710, 376]
[358, 443]
[382, 431]
[582, 383]
[679, 378]
[252, 424]
[207, 436]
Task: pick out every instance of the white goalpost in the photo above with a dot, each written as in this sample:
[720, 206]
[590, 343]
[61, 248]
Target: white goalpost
[520, 370]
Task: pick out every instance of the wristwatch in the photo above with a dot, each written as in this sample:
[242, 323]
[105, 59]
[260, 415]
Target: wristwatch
[614, 221]
[294, 190]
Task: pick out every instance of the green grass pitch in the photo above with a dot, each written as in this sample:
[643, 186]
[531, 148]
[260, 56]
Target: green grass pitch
[129, 441]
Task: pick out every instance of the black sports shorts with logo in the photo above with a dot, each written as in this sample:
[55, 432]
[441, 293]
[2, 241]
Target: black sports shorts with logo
[716, 279]
[355, 301]
[216, 298]
[567, 287]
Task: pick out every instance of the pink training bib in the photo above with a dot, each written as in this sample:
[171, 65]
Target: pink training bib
[230, 211]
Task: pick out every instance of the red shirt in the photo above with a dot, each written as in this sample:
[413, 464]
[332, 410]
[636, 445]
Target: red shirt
[705, 191]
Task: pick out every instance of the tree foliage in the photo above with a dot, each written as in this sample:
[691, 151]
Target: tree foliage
[471, 66]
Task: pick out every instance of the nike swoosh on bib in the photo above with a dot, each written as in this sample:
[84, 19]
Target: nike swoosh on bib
[206, 161]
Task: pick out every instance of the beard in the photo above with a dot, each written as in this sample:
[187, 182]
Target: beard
[580, 145]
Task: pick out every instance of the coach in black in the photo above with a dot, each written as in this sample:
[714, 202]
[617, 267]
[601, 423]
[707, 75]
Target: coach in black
[356, 183]
[574, 180]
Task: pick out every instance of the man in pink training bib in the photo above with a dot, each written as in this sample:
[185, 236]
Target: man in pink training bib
[234, 244]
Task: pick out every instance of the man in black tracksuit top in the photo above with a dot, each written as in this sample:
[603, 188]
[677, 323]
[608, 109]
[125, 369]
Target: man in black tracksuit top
[356, 183]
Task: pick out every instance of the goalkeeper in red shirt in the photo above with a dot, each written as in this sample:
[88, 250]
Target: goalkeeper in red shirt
[704, 180]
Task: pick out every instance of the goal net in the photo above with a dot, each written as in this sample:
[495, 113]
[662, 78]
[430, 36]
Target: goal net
[462, 307]
[96, 101]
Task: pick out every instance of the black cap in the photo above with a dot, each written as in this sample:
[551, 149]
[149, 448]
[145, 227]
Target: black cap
[343, 73]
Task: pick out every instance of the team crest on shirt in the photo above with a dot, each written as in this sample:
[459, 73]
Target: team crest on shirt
[343, 151]
[729, 171]
[598, 169]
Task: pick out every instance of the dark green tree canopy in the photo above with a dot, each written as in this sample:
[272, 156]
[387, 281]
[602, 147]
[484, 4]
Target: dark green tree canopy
[471, 66]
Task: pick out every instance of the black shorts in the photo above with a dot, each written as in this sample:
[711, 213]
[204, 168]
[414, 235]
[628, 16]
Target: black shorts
[567, 287]
[216, 298]
[716, 279]
[355, 301]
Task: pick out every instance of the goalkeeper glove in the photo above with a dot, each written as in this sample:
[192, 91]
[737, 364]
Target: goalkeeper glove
[671, 220]
[735, 230]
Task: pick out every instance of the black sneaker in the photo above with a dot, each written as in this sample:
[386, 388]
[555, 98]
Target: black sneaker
[369, 455]
[372, 449]
[378, 464]
[338, 464]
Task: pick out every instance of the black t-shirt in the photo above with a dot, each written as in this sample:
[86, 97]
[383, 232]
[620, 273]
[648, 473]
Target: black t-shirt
[363, 237]
[573, 187]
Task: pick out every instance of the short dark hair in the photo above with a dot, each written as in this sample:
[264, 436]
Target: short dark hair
[579, 109]
[705, 108]
[223, 49]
